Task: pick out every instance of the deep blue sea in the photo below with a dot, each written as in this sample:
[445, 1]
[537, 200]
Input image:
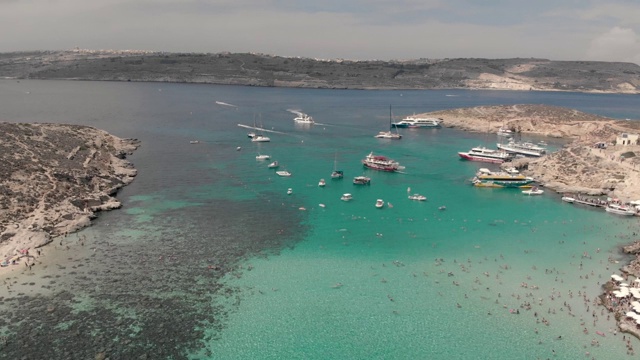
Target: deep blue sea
[210, 258]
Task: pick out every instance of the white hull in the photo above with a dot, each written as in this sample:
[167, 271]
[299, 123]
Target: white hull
[619, 210]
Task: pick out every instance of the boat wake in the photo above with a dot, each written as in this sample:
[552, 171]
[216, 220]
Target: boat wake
[226, 104]
[261, 129]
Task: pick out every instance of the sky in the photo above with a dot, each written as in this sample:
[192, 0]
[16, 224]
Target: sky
[332, 29]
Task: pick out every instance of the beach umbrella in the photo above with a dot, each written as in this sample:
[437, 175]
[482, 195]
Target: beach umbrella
[638, 321]
[617, 277]
[631, 314]
[635, 303]
[624, 284]
[618, 294]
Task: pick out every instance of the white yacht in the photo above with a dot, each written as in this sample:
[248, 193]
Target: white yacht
[303, 118]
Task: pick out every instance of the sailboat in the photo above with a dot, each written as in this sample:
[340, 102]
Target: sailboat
[389, 134]
[336, 174]
[260, 137]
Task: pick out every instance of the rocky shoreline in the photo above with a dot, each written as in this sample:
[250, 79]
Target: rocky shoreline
[55, 178]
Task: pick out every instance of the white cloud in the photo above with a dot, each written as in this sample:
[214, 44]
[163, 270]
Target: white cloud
[617, 44]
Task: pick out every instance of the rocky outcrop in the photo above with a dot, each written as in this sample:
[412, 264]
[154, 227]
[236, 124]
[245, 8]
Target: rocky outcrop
[54, 178]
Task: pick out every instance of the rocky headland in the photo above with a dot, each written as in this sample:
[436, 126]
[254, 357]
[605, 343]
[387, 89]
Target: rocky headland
[53, 180]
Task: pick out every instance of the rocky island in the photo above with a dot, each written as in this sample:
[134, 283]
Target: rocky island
[253, 69]
[54, 178]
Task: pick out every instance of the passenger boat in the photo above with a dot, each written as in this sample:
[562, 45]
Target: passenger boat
[361, 180]
[620, 210]
[500, 179]
[483, 154]
[284, 173]
[346, 197]
[273, 165]
[260, 138]
[533, 191]
[263, 157]
[382, 163]
[379, 203]
[414, 121]
[322, 183]
[417, 197]
[523, 148]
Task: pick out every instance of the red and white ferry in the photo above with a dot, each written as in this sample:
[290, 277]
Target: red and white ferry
[483, 154]
[382, 163]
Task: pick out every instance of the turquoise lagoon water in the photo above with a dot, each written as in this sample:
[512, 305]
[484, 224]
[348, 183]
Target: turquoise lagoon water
[344, 280]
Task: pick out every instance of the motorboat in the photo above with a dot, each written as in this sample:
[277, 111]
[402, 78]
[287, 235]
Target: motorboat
[414, 121]
[273, 165]
[568, 199]
[505, 132]
[260, 138]
[483, 154]
[417, 197]
[533, 191]
[303, 118]
[194, 142]
[346, 197]
[620, 209]
[361, 180]
[523, 148]
[382, 163]
[388, 135]
[289, 191]
[251, 135]
[283, 173]
[379, 203]
[322, 183]
[263, 157]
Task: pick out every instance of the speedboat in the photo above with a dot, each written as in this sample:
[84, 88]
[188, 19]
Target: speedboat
[251, 135]
[388, 135]
[263, 157]
[346, 197]
[379, 203]
[273, 165]
[533, 191]
[284, 173]
[483, 154]
[260, 138]
[620, 210]
[361, 180]
[322, 183]
[504, 132]
[289, 191]
[337, 174]
[382, 163]
[417, 197]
